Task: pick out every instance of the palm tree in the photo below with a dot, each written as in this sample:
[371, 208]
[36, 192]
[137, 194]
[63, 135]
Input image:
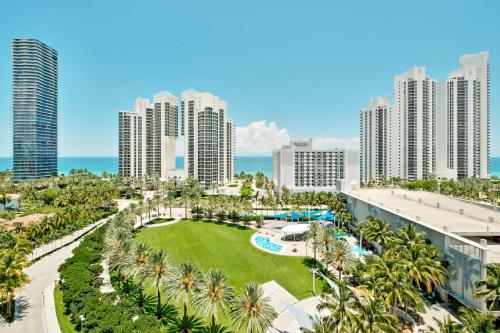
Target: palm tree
[423, 268]
[312, 235]
[252, 312]
[393, 285]
[183, 284]
[490, 286]
[138, 210]
[214, 297]
[135, 265]
[323, 324]
[158, 271]
[374, 229]
[157, 200]
[342, 308]
[169, 201]
[12, 276]
[150, 205]
[447, 325]
[373, 316]
[325, 242]
[477, 322]
[342, 257]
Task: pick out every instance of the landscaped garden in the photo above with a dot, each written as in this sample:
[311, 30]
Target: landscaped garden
[228, 247]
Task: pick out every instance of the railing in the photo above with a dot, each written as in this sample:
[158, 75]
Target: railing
[45, 249]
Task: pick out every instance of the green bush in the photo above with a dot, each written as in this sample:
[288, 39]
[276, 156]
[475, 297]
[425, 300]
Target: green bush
[81, 295]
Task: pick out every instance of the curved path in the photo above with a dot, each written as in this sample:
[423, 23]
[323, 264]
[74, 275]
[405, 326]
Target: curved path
[36, 312]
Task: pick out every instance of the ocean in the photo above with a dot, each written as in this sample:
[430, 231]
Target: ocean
[97, 165]
[247, 164]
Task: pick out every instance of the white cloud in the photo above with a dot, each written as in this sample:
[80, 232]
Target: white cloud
[260, 138]
[329, 143]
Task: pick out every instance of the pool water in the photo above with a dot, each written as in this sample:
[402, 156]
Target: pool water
[267, 244]
[341, 235]
[359, 250]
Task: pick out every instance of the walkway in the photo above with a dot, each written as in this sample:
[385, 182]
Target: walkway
[36, 299]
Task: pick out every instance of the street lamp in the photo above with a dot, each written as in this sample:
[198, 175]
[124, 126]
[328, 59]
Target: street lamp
[314, 271]
[82, 319]
[62, 284]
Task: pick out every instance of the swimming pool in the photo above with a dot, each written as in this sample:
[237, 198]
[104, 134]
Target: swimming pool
[359, 250]
[267, 244]
[337, 235]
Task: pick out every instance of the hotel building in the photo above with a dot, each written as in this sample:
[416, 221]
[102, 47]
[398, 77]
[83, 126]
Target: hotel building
[209, 138]
[147, 137]
[35, 104]
[375, 129]
[301, 168]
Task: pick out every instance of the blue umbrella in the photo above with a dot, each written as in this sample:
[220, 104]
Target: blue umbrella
[281, 216]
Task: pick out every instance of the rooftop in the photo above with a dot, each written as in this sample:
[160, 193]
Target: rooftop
[464, 218]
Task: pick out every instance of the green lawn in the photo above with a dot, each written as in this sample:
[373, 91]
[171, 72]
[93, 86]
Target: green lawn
[228, 247]
[64, 322]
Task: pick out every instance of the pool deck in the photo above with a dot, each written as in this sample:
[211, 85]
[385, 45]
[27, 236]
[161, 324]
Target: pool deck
[272, 230]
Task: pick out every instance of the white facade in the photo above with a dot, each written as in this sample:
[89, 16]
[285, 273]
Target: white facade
[464, 120]
[147, 137]
[413, 137]
[375, 135]
[300, 167]
[208, 138]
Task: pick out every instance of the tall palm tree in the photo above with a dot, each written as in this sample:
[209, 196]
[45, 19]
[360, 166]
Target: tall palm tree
[214, 298]
[373, 316]
[423, 268]
[183, 284]
[135, 265]
[477, 322]
[392, 284]
[169, 202]
[138, 210]
[252, 312]
[12, 276]
[325, 242]
[158, 271]
[490, 286]
[342, 308]
[312, 235]
[447, 325]
[150, 205]
[374, 229]
[340, 254]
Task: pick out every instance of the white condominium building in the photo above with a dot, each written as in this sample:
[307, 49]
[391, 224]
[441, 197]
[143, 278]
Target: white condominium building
[375, 129]
[147, 137]
[300, 167]
[208, 138]
[463, 124]
[413, 132]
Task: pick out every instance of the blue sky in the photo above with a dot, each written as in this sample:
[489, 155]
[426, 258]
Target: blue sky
[288, 69]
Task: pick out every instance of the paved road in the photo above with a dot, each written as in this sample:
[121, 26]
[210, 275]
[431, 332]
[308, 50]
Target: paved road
[37, 313]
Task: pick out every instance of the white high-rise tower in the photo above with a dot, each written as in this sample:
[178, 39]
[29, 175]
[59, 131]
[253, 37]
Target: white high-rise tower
[375, 130]
[208, 138]
[147, 137]
[413, 143]
[464, 119]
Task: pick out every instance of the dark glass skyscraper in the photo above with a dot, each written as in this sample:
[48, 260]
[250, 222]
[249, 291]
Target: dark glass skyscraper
[35, 91]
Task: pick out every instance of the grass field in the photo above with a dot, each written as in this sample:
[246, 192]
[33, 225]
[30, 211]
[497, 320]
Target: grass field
[228, 247]
[64, 322]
